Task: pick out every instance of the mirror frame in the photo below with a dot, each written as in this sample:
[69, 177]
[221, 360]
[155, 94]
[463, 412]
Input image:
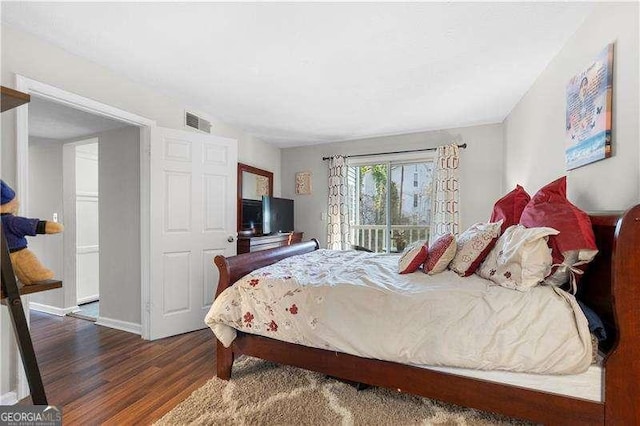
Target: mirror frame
[256, 171]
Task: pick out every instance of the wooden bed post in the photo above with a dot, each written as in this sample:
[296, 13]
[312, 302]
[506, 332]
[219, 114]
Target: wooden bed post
[224, 361]
[622, 373]
[224, 356]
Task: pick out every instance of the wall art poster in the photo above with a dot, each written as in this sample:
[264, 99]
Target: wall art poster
[588, 115]
[303, 183]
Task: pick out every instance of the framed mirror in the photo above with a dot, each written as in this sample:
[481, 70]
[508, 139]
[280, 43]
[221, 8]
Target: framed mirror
[253, 183]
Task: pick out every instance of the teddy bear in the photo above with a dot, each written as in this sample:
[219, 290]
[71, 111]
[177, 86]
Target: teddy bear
[26, 265]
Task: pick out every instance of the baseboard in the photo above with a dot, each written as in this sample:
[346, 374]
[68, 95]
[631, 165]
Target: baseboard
[48, 309]
[120, 325]
[88, 299]
[8, 398]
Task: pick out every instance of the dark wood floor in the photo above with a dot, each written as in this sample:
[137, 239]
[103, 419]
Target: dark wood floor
[100, 375]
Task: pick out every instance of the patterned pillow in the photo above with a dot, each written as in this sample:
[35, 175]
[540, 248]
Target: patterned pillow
[575, 245]
[441, 252]
[412, 257]
[509, 208]
[520, 259]
[473, 246]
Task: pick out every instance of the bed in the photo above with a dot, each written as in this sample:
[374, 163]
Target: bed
[607, 288]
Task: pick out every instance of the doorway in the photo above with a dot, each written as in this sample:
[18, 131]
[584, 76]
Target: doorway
[72, 156]
[213, 164]
[66, 298]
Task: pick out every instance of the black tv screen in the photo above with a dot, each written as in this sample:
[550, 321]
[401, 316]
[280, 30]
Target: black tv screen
[277, 215]
[252, 215]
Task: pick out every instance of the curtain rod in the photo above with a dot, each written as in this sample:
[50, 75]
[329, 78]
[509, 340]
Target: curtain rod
[463, 146]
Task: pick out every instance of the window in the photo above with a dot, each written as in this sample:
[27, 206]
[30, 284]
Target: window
[390, 203]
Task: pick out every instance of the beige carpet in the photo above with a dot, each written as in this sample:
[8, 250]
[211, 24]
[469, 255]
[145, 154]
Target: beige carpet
[262, 393]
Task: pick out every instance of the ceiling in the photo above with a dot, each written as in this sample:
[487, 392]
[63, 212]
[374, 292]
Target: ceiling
[55, 121]
[303, 73]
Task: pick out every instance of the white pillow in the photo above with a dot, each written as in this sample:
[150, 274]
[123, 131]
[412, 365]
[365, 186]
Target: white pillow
[520, 259]
[474, 245]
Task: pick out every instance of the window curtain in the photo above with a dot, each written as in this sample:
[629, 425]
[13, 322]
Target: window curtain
[338, 212]
[445, 198]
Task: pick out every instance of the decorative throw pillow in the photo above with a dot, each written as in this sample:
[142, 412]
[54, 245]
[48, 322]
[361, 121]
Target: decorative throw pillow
[441, 252]
[510, 207]
[412, 257]
[575, 245]
[520, 259]
[473, 246]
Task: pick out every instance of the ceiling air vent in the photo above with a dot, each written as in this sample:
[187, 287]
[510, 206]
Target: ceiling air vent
[195, 122]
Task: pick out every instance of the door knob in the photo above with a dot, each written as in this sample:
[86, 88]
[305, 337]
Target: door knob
[230, 238]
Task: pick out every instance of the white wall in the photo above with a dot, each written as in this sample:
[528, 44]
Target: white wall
[45, 199]
[480, 176]
[119, 211]
[534, 131]
[25, 54]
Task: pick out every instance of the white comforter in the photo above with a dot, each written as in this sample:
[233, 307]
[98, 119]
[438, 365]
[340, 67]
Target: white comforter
[357, 303]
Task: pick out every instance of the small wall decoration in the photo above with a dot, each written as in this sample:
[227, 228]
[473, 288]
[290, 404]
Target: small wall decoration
[588, 114]
[303, 183]
[262, 186]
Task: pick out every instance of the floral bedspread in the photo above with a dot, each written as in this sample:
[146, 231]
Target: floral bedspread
[357, 303]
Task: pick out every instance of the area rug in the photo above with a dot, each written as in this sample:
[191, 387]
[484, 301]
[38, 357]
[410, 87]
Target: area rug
[263, 393]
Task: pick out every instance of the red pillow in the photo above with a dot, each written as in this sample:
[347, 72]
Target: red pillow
[441, 253]
[510, 207]
[412, 257]
[575, 245]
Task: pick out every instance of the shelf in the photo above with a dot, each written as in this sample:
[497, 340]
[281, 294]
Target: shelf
[12, 98]
[36, 288]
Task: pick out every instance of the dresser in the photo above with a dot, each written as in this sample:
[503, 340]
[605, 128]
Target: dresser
[252, 244]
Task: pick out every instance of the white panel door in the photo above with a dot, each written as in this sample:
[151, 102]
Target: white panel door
[87, 249]
[193, 219]
[87, 235]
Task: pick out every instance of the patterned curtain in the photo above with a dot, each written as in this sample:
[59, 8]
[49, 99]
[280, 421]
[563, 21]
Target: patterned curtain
[445, 199]
[338, 212]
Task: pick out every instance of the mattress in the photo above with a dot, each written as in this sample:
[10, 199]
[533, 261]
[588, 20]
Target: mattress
[357, 303]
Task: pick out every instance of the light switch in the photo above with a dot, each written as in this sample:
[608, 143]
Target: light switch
[55, 217]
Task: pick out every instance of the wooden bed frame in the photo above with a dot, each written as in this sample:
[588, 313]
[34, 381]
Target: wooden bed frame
[608, 287]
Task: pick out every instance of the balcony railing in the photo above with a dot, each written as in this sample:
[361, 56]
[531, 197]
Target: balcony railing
[372, 237]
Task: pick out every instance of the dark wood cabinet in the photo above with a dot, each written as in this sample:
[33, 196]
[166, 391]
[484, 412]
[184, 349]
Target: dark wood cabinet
[252, 244]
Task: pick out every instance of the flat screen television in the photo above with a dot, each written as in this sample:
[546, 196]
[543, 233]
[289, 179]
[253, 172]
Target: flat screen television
[252, 215]
[277, 215]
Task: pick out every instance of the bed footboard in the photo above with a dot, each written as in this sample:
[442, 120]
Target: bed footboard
[233, 268]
